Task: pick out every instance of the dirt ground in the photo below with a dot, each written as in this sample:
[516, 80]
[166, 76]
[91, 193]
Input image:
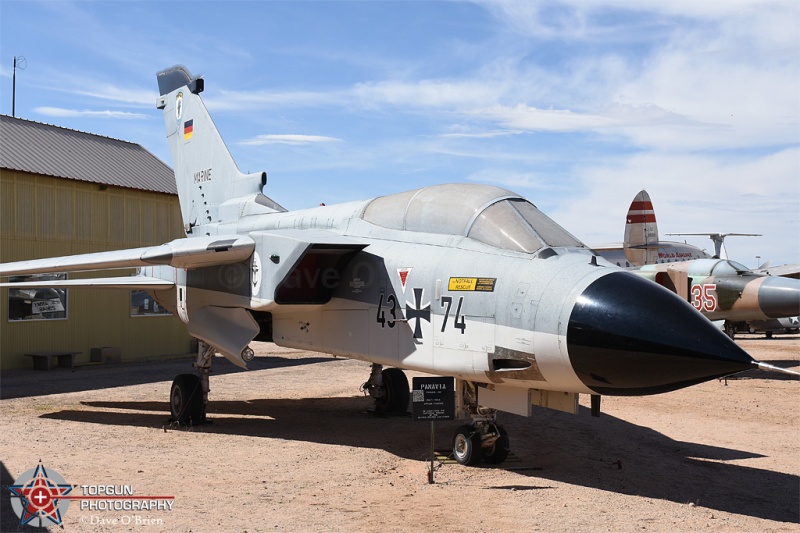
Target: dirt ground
[292, 447]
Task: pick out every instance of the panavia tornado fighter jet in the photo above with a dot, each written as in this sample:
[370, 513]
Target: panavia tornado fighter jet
[470, 281]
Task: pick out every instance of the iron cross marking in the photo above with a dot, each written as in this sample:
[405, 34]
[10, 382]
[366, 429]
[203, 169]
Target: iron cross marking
[416, 311]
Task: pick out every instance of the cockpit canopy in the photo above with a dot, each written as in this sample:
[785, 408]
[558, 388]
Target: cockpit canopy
[719, 267]
[491, 215]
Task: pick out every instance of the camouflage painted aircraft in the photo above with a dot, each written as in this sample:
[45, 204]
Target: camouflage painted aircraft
[722, 290]
[642, 245]
[728, 291]
[470, 281]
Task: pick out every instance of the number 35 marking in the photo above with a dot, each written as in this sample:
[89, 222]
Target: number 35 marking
[704, 297]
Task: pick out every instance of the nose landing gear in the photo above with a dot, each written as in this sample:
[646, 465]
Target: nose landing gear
[483, 439]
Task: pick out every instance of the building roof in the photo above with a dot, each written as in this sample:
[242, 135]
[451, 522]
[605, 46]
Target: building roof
[38, 148]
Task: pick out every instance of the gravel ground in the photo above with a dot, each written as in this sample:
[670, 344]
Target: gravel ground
[294, 447]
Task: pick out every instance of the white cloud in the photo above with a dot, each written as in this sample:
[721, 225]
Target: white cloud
[68, 82]
[739, 84]
[87, 113]
[292, 139]
[529, 118]
[427, 93]
[477, 134]
[693, 193]
[587, 20]
[107, 91]
[227, 100]
[511, 179]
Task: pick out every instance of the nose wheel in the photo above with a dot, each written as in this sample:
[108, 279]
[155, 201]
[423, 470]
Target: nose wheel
[470, 445]
[483, 440]
[467, 446]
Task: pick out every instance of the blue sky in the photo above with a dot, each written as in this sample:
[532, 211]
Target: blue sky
[575, 104]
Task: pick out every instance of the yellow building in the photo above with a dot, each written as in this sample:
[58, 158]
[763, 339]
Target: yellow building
[65, 192]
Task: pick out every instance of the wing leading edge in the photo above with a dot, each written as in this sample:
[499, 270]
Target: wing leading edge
[120, 282]
[180, 253]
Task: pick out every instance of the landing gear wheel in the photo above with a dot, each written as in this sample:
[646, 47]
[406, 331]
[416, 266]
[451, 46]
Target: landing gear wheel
[467, 446]
[395, 392]
[499, 450]
[186, 400]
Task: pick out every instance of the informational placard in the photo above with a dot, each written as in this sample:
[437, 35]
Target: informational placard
[433, 399]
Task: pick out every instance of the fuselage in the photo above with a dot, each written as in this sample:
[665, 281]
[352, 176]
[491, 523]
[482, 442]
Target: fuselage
[444, 301]
[665, 252]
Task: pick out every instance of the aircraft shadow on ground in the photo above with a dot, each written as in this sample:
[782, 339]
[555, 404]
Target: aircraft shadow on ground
[608, 453]
[28, 383]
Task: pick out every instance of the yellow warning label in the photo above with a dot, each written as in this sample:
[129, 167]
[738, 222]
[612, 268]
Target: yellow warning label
[471, 284]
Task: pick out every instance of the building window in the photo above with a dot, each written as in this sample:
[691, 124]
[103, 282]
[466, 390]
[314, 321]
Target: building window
[40, 303]
[142, 304]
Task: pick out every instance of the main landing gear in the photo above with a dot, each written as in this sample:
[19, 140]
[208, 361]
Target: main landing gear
[483, 439]
[389, 388]
[188, 396]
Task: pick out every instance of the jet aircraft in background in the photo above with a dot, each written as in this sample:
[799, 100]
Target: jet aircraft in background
[720, 252]
[723, 290]
[641, 245]
[727, 291]
[470, 281]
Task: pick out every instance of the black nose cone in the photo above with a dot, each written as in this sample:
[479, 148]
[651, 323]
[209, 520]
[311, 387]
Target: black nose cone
[628, 336]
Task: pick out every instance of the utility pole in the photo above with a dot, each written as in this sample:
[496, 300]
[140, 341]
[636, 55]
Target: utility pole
[22, 64]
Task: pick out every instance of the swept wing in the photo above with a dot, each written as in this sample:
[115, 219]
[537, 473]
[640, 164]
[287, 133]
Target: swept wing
[181, 253]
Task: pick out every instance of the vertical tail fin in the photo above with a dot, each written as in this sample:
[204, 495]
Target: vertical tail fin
[641, 231]
[205, 173]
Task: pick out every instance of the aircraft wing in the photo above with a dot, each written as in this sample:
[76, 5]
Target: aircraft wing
[180, 253]
[787, 271]
[119, 282]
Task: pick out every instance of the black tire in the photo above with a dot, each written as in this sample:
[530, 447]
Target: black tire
[186, 400]
[467, 446]
[499, 450]
[395, 389]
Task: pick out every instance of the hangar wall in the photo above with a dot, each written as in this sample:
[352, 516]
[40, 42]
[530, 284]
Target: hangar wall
[42, 216]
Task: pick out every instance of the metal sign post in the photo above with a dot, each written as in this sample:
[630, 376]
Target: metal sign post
[433, 399]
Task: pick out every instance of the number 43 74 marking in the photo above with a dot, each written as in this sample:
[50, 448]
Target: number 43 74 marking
[459, 322]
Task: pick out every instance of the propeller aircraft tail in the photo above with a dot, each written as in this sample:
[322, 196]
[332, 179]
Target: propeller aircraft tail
[641, 231]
